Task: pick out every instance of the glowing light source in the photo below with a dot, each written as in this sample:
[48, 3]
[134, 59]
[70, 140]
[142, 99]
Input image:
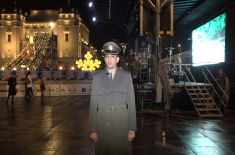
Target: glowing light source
[27, 69]
[90, 4]
[3, 69]
[14, 69]
[179, 45]
[88, 64]
[94, 19]
[61, 68]
[23, 66]
[52, 25]
[72, 68]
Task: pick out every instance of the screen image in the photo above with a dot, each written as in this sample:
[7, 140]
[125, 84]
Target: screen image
[208, 42]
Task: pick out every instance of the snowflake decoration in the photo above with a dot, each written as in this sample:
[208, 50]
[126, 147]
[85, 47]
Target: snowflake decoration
[88, 64]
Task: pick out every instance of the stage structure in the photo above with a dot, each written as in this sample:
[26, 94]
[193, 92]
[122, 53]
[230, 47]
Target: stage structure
[31, 58]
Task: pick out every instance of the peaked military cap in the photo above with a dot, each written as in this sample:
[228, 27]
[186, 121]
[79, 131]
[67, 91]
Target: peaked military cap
[111, 48]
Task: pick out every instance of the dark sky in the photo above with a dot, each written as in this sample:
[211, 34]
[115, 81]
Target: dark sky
[99, 32]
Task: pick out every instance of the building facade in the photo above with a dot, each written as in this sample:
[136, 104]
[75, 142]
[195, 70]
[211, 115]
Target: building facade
[17, 30]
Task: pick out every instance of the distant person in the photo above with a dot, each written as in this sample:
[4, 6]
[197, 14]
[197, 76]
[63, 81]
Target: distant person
[152, 61]
[136, 66]
[29, 85]
[47, 61]
[12, 88]
[130, 60]
[122, 67]
[224, 83]
[42, 86]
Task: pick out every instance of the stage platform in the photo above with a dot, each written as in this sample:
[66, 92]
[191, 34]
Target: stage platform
[58, 88]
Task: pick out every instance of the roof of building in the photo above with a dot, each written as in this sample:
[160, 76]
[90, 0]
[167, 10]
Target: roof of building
[42, 15]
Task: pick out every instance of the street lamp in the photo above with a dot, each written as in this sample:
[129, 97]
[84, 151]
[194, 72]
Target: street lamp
[94, 19]
[179, 58]
[180, 48]
[52, 25]
[123, 50]
[60, 79]
[90, 4]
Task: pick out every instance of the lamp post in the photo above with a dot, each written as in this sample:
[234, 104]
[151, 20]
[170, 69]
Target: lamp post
[180, 48]
[60, 80]
[123, 50]
[169, 49]
[179, 58]
[52, 25]
[145, 57]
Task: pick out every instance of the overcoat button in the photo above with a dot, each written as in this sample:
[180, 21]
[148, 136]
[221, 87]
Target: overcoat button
[116, 123]
[108, 124]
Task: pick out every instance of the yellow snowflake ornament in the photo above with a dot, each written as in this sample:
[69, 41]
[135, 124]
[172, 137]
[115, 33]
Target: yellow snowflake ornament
[88, 64]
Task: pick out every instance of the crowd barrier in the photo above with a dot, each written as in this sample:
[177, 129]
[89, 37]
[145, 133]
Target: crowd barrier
[48, 75]
[57, 83]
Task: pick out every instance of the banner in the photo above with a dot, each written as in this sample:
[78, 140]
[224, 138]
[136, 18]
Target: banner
[72, 75]
[35, 75]
[5, 75]
[46, 75]
[58, 75]
[21, 76]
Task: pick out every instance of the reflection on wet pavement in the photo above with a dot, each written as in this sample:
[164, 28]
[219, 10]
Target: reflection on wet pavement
[59, 126]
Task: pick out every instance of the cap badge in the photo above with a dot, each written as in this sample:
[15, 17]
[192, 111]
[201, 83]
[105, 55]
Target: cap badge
[110, 47]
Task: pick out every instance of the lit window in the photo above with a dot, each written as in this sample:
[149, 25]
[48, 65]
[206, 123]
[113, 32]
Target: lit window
[9, 38]
[66, 37]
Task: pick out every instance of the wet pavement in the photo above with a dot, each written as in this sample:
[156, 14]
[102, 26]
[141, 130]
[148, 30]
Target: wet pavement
[59, 126]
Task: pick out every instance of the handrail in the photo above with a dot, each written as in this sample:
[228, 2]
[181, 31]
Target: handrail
[196, 85]
[217, 83]
[193, 89]
[213, 88]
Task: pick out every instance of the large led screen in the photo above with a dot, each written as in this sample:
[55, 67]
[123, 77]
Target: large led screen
[208, 42]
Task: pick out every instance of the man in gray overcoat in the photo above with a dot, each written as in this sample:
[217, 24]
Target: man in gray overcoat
[112, 116]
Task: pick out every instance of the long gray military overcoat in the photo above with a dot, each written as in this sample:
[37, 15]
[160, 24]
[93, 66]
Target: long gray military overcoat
[112, 112]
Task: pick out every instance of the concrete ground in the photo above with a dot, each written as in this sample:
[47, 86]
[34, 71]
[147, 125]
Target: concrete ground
[59, 125]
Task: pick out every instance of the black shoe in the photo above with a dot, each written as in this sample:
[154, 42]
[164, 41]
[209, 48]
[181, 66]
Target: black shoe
[12, 102]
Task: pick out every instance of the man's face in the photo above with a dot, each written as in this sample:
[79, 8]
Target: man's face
[131, 52]
[47, 55]
[220, 72]
[111, 60]
[136, 58]
[12, 75]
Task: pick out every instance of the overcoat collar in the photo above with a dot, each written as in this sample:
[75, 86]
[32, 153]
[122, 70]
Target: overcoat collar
[118, 78]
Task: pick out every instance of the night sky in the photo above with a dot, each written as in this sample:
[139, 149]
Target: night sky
[99, 32]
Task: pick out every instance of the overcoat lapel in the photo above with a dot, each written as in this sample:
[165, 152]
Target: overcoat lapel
[118, 79]
[105, 80]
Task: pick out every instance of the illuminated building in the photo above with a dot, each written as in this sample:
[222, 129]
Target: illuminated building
[17, 30]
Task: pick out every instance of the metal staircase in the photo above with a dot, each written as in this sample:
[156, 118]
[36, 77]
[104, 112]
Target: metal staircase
[203, 103]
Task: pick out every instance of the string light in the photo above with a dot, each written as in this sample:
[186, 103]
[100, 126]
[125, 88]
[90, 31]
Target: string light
[29, 56]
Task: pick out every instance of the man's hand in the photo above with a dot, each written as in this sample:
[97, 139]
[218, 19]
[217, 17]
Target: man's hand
[217, 79]
[94, 136]
[131, 136]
